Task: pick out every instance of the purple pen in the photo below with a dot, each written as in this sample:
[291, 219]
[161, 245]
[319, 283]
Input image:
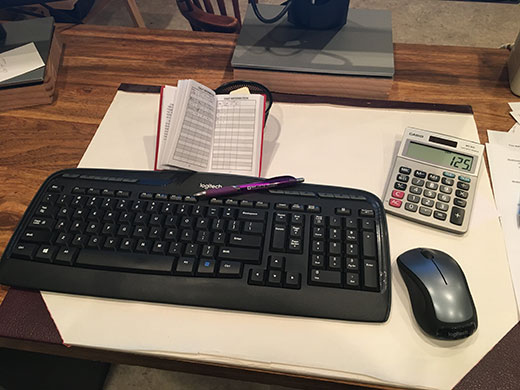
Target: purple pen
[279, 181]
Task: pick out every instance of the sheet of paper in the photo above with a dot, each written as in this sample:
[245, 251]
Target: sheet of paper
[190, 142]
[503, 151]
[237, 146]
[504, 138]
[350, 147]
[516, 115]
[515, 106]
[18, 61]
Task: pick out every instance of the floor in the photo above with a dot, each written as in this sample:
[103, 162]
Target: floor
[438, 22]
[462, 23]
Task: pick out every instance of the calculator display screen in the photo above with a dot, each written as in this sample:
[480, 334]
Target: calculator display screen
[439, 156]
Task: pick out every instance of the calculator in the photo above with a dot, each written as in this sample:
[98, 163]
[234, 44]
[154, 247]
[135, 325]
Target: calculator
[433, 179]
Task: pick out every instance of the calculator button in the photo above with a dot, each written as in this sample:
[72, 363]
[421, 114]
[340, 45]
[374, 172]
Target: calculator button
[403, 178]
[431, 186]
[459, 202]
[427, 202]
[441, 206]
[413, 198]
[430, 194]
[447, 181]
[433, 177]
[400, 186]
[398, 194]
[410, 207]
[444, 198]
[425, 211]
[420, 174]
[463, 186]
[465, 179]
[415, 190]
[405, 170]
[448, 174]
[445, 189]
[417, 182]
[461, 194]
[439, 215]
[457, 216]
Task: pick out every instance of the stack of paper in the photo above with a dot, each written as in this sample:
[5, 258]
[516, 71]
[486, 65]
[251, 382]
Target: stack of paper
[503, 152]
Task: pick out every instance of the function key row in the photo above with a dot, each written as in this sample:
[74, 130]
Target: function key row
[326, 195]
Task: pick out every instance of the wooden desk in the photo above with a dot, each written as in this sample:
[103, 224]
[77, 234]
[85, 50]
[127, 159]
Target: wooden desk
[38, 141]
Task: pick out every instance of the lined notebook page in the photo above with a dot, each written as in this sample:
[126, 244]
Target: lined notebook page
[237, 140]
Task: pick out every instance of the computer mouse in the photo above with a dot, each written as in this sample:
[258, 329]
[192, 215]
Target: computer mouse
[439, 293]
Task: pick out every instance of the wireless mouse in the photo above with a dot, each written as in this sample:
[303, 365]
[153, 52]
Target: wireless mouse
[439, 293]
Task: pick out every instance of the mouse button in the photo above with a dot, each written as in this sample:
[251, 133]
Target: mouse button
[427, 253]
[424, 270]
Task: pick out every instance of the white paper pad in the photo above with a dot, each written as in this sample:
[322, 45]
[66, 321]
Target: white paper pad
[18, 61]
[345, 146]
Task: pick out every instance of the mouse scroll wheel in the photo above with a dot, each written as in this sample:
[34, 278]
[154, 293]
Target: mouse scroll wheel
[427, 253]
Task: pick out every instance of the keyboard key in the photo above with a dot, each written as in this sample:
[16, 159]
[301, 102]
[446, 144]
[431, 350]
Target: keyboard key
[206, 267]
[230, 269]
[325, 278]
[251, 215]
[66, 256]
[185, 266]
[25, 251]
[38, 236]
[42, 223]
[370, 274]
[369, 244]
[292, 280]
[352, 279]
[278, 238]
[46, 253]
[244, 255]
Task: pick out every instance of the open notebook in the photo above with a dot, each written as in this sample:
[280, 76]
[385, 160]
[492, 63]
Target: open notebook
[202, 131]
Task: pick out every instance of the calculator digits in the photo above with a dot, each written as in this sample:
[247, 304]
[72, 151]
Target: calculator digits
[433, 180]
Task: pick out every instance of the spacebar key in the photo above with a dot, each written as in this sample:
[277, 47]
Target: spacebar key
[245, 255]
[126, 261]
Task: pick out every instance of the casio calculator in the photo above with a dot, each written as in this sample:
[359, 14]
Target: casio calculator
[433, 179]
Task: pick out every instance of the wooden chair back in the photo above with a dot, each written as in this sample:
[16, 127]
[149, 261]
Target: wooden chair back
[212, 15]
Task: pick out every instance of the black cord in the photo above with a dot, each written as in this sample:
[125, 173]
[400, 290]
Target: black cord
[274, 19]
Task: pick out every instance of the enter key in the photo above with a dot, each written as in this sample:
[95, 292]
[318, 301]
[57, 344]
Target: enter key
[246, 240]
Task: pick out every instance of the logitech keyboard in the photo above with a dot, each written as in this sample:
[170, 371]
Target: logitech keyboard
[307, 250]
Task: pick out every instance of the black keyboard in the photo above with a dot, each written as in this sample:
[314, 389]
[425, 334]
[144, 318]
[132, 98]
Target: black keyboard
[307, 250]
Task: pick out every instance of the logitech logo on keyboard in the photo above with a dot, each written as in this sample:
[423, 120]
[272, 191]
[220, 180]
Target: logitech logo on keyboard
[207, 186]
